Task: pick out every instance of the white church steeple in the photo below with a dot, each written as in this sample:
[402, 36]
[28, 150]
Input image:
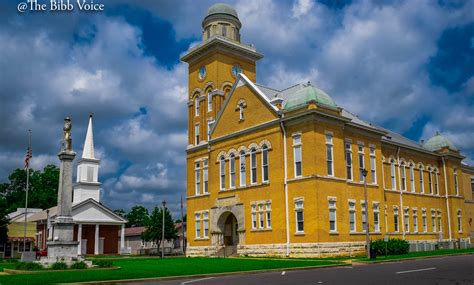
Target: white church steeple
[88, 185]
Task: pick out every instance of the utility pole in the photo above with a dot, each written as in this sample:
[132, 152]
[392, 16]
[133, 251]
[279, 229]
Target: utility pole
[163, 232]
[367, 239]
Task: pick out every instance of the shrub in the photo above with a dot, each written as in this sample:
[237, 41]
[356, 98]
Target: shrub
[28, 266]
[102, 263]
[394, 246]
[59, 266]
[79, 265]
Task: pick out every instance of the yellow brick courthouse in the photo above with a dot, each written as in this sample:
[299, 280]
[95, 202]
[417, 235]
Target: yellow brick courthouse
[278, 171]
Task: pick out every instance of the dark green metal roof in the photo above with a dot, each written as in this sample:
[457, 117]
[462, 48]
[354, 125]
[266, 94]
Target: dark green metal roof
[221, 8]
[307, 94]
[438, 142]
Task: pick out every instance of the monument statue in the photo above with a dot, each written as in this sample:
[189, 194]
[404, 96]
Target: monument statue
[67, 140]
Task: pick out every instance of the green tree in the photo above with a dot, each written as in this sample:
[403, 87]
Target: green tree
[42, 191]
[137, 216]
[120, 212]
[154, 225]
[3, 221]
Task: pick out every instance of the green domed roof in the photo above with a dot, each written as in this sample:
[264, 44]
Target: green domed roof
[438, 142]
[221, 8]
[309, 93]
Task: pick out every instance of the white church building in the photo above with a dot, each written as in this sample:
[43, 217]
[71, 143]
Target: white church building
[98, 229]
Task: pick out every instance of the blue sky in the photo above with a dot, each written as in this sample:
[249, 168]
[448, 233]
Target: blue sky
[405, 65]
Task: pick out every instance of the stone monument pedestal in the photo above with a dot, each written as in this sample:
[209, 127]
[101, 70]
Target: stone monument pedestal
[63, 247]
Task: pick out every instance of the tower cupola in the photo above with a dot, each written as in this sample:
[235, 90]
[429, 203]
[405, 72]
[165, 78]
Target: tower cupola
[221, 20]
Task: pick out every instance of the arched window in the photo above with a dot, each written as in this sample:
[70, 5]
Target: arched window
[412, 177]
[420, 170]
[209, 101]
[404, 179]
[264, 163]
[253, 166]
[392, 174]
[196, 106]
[242, 168]
[232, 171]
[430, 180]
[222, 172]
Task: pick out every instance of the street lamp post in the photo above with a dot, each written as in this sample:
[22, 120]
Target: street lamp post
[367, 239]
[163, 231]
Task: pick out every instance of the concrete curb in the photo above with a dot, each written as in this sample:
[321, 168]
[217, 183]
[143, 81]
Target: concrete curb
[170, 278]
[408, 258]
[15, 271]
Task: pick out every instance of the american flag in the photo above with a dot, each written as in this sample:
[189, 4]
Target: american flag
[28, 156]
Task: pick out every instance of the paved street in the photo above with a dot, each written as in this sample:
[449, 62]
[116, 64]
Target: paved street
[443, 270]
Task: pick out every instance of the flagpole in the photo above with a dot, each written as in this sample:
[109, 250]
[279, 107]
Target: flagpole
[27, 188]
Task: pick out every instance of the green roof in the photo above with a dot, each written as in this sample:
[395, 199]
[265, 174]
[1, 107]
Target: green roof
[438, 142]
[307, 94]
[221, 8]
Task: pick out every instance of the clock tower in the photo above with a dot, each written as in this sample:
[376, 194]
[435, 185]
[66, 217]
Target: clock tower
[213, 67]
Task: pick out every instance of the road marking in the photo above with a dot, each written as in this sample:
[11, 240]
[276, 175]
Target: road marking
[416, 270]
[283, 273]
[195, 280]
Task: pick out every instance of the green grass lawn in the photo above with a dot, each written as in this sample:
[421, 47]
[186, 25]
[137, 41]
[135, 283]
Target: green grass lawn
[131, 268]
[418, 254]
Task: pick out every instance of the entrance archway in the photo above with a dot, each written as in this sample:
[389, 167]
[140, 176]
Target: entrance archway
[229, 228]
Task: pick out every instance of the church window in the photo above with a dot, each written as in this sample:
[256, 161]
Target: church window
[232, 171]
[209, 101]
[456, 186]
[412, 177]
[392, 174]
[222, 172]
[348, 160]
[197, 171]
[253, 166]
[361, 162]
[241, 112]
[297, 154]
[242, 168]
[430, 180]
[265, 163]
[436, 187]
[299, 212]
[196, 134]
[373, 165]
[205, 176]
[404, 176]
[420, 170]
[329, 154]
[196, 107]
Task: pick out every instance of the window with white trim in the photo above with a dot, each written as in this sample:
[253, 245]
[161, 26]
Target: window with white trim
[299, 214]
[415, 220]
[261, 221]
[412, 177]
[196, 134]
[332, 216]
[254, 216]
[209, 127]
[436, 187]
[232, 171]
[430, 180]
[456, 186]
[395, 220]
[373, 165]
[440, 224]
[392, 174]
[241, 112]
[205, 176]
[422, 187]
[348, 150]
[459, 221]
[268, 215]
[360, 152]
[406, 220]
[329, 155]
[209, 101]
[297, 155]
[197, 172]
[242, 169]
[198, 225]
[376, 210]
[404, 176]
[364, 217]
[423, 217]
[433, 221]
[205, 220]
[196, 107]
[352, 217]
[253, 166]
[222, 172]
[264, 163]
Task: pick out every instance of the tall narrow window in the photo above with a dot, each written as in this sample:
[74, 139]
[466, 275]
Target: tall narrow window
[392, 174]
[459, 221]
[198, 225]
[373, 165]
[253, 166]
[205, 177]
[364, 217]
[232, 170]
[352, 217]
[90, 174]
[297, 154]
[440, 225]
[436, 187]
[265, 163]
[254, 216]
[456, 186]
[209, 127]
[376, 210]
[209, 101]
[261, 220]
[360, 153]
[242, 169]
[332, 216]
[415, 220]
[329, 154]
[241, 112]
[224, 30]
[395, 220]
[423, 217]
[412, 177]
[430, 180]
[404, 177]
[196, 107]
[196, 134]
[348, 160]
[406, 220]
[197, 171]
[222, 172]
[205, 220]
[422, 188]
[268, 213]
[433, 221]
[299, 212]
